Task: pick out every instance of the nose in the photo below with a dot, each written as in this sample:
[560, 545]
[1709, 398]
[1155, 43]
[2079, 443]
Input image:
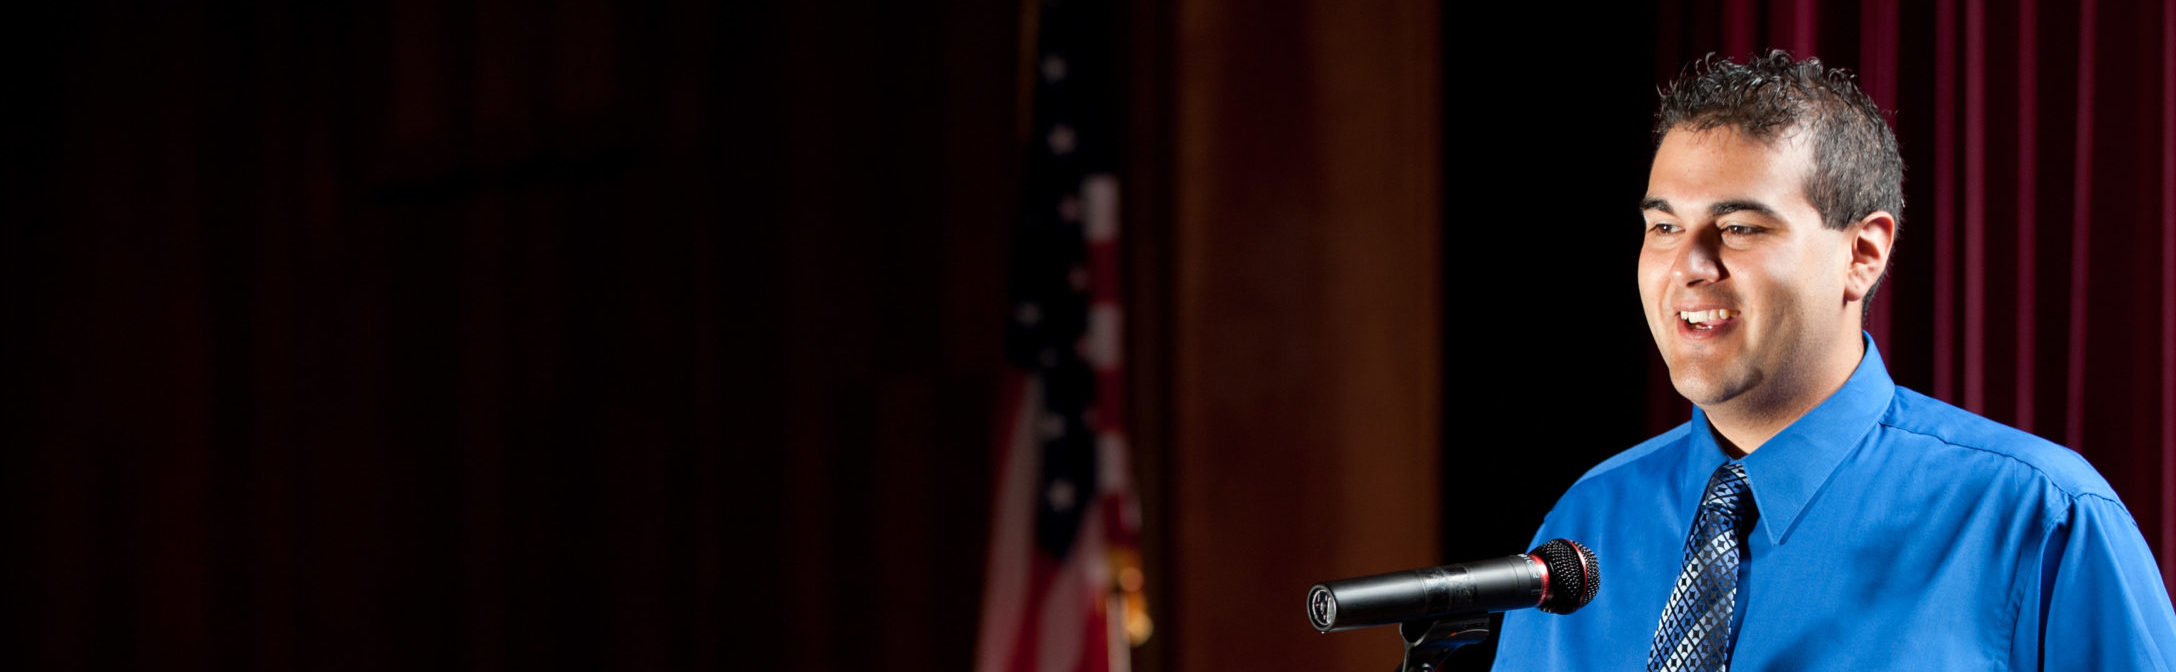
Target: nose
[1700, 259]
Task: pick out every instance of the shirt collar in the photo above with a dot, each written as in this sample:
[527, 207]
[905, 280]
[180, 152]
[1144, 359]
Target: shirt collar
[1785, 472]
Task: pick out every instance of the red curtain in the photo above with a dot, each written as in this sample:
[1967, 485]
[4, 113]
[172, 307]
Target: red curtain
[2034, 280]
[483, 336]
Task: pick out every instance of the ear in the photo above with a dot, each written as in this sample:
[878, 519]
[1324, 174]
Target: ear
[1870, 239]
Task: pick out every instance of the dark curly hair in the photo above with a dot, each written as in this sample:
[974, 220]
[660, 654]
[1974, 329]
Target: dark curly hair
[1857, 169]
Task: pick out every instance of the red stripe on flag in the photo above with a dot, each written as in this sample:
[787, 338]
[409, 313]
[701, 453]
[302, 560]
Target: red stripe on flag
[1011, 580]
[1027, 642]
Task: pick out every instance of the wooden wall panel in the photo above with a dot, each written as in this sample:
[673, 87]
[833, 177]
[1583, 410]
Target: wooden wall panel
[1304, 328]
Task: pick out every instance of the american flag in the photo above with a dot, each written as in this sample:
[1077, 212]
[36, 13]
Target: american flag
[1063, 589]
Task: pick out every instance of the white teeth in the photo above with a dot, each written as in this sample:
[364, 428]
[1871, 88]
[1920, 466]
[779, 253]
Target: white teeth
[1706, 316]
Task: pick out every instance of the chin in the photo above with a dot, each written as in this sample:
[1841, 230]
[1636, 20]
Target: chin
[1702, 388]
[1693, 392]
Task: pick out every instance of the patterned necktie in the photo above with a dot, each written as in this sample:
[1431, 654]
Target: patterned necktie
[1694, 634]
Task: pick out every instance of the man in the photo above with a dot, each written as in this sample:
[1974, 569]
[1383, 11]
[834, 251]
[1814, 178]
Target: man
[1812, 515]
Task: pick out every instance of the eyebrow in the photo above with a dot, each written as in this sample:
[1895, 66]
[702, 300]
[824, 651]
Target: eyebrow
[1716, 210]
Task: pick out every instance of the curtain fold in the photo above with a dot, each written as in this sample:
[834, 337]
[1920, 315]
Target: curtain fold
[483, 336]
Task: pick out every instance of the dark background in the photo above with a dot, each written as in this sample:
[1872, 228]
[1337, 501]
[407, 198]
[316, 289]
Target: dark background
[506, 336]
[1543, 172]
[568, 335]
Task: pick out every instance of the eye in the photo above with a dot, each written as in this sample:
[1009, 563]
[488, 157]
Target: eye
[1740, 230]
[1663, 228]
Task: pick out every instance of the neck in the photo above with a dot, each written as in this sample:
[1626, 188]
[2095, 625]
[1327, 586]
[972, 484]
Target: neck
[1742, 425]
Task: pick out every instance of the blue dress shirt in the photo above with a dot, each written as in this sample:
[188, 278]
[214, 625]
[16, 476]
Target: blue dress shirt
[1896, 532]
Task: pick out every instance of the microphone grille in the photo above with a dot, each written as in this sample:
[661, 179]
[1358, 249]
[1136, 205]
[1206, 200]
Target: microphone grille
[1574, 575]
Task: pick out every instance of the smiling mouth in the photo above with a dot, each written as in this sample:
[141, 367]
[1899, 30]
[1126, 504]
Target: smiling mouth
[1703, 320]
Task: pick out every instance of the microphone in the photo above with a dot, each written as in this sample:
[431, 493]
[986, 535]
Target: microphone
[1559, 577]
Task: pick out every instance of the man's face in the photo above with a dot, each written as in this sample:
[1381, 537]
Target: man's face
[1744, 290]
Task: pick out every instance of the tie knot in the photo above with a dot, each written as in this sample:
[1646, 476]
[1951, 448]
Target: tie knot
[1728, 489]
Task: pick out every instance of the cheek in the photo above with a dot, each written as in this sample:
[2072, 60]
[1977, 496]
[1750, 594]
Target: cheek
[1820, 275]
[1654, 274]
[1791, 288]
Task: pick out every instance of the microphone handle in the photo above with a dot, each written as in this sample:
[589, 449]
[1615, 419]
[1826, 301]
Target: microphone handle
[1484, 586]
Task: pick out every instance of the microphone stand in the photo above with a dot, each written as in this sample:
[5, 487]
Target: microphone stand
[1428, 644]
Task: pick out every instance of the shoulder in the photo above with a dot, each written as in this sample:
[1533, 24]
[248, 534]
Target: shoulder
[1631, 505]
[1620, 464]
[1638, 473]
[1918, 418]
